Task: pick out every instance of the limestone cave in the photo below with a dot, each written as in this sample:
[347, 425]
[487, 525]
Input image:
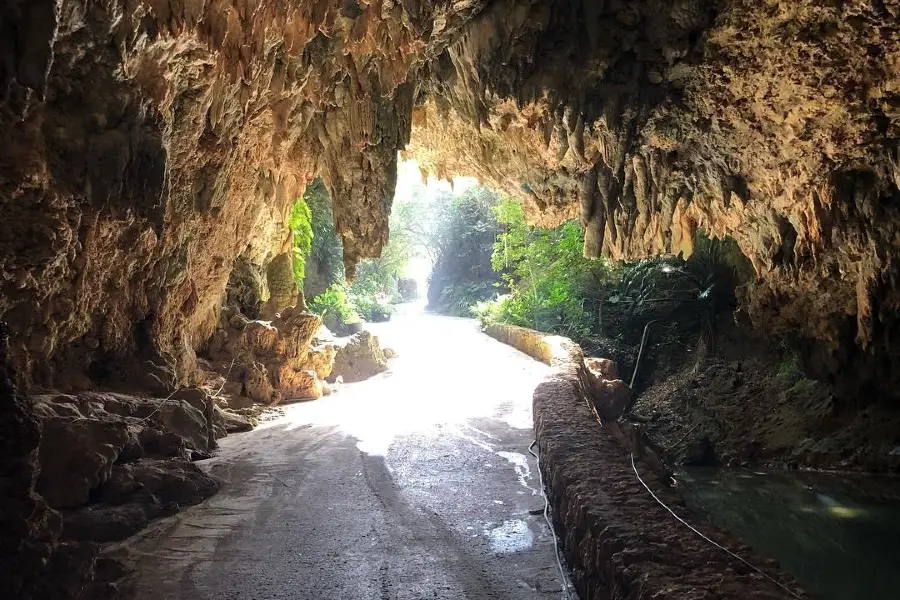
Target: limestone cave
[154, 154]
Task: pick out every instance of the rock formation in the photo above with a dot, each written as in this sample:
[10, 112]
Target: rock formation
[610, 395]
[359, 357]
[272, 361]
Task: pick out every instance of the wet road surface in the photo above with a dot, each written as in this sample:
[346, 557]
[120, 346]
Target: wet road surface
[415, 484]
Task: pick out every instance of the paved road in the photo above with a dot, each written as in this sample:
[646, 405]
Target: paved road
[415, 484]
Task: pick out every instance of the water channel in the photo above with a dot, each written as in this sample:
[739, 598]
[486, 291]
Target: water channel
[839, 535]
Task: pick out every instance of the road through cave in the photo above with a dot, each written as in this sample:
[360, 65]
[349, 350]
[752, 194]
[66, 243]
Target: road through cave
[416, 483]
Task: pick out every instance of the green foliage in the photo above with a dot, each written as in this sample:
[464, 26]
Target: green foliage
[335, 308]
[326, 257]
[372, 307]
[460, 299]
[690, 291]
[552, 286]
[375, 286]
[650, 283]
[300, 223]
[708, 278]
[789, 369]
[790, 372]
[371, 292]
[461, 239]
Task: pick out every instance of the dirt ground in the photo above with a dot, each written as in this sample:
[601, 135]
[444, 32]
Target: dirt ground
[749, 404]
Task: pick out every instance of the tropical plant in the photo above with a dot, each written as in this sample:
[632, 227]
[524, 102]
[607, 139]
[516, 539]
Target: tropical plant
[552, 286]
[325, 264]
[693, 289]
[335, 308]
[300, 224]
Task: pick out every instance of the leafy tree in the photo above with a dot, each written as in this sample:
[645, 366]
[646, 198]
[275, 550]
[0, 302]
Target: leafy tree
[373, 289]
[461, 238]
[552, 286]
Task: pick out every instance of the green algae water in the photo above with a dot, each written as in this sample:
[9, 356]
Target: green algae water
[838, 535]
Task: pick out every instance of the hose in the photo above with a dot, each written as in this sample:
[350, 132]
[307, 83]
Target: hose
[637, 363]
[717, 545]
[562, 573]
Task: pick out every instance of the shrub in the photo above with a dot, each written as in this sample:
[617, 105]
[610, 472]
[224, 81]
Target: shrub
[552, 286]
[465, 229]
[372, 307]
[335, 308]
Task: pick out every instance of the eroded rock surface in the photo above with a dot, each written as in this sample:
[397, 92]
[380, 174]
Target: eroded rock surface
[287, 358]
[150, 146]
[776, 123]
[359, 357]
[128, 200]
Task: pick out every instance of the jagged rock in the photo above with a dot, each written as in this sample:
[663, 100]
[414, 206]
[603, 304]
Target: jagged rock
[283, 288]
[246, 287]
[286, 358]
[256, 383]
[602, 368]
[85, 435]
[666, 124]
[321, 360]
[389, 353]
[32, 562]
[135, 173]
[76, 455]
[299, 385]
[359, 357]
[134, 495]
[610, 395]
[234, 422]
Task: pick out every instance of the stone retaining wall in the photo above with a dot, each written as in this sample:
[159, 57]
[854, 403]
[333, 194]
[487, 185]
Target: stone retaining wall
[618, 541]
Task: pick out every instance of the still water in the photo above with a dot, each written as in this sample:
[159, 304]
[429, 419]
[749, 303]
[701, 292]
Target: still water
[838, 535]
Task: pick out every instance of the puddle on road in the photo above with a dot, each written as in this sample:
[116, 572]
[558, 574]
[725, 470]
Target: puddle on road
[510, 536]
[522, 468]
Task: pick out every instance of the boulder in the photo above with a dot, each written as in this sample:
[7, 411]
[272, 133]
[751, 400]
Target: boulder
[602, 368]
[233, 422]
[85, 435]
[287, 358]
[321, 360]
[135, 494]
[75, 455]
[298, 385]
[359, 357]
[611, 396]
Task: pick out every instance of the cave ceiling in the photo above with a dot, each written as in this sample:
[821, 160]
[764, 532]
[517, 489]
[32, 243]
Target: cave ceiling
[151, 143]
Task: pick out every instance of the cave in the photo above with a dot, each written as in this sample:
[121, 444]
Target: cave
[155, 149]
